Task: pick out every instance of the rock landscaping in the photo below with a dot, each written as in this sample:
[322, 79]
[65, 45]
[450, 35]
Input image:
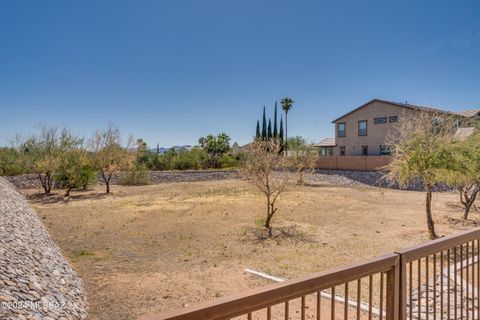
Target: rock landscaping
[31, 181]
[334, 177]
[368, 178]
[36, 282]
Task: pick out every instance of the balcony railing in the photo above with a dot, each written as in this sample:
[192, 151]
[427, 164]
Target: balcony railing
[439, 279]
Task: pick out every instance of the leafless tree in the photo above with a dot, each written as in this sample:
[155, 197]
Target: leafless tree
[264, 166]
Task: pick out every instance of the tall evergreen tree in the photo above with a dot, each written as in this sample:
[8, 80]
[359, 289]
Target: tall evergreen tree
[280, 134]
[275, 129]
[269, 132]
[258, 135]
[264, 125]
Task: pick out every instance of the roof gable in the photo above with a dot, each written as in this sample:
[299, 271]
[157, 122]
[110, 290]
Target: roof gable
[402, 105]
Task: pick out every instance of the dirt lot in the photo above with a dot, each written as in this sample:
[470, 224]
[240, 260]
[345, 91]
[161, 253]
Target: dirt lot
[149, 249]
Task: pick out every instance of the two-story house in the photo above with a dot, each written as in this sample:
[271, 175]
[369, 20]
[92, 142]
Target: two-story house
[363, 131]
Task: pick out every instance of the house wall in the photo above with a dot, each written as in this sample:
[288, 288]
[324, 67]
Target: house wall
[354, 163]
[376, 133]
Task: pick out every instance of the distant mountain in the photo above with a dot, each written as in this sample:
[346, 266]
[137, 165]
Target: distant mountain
[162, 150]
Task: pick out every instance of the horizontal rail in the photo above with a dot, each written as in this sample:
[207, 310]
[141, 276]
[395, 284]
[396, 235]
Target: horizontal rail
[256, 299]
[428, 248]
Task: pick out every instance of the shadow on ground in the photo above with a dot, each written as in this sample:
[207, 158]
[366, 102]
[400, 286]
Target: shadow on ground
[291, 233]
[59, 197]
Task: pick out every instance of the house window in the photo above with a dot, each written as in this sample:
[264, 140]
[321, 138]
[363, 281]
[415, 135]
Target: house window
[393, 119]
[342, 151]
[385, 150]
[362, 127]
[380, 120]
[458, 123]
[326, 151]
[341, 130]
[364, 150]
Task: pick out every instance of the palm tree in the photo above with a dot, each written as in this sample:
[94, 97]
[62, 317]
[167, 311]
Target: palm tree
[287, 104]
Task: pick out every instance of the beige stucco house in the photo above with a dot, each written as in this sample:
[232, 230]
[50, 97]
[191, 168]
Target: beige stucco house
[363, 131]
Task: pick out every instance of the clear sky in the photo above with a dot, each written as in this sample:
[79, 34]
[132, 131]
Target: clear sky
[171, 71]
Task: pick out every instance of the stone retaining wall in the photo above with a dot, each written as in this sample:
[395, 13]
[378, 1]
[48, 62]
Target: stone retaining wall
[376, 179]
[30, 181]
[341, 177]
[36, 281]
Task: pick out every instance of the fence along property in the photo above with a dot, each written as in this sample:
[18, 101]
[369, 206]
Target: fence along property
[439, 279]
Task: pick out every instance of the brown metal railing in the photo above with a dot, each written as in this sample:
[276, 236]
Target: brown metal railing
[439, 279]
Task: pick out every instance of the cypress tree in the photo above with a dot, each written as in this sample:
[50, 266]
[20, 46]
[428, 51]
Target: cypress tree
[258, 135]
[264, 125]
[275, 129]
[269, 133]
[280, 135]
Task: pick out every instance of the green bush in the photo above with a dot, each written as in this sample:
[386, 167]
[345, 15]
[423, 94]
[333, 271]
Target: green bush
[137, 176]
[195, 159]
[185, 160]
[228, 161]
[88, 177]
[10, 163]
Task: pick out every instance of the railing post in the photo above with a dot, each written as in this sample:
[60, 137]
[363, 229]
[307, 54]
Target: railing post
[393, 292]
[403, 289]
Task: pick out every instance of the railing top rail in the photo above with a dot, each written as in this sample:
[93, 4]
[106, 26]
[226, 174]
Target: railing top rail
[259, 298]
[434, 246]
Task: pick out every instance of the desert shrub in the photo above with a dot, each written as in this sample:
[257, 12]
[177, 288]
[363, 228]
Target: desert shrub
[88, 177]
[186, 160]
[136, 176]
[10, 162]
[228, 161]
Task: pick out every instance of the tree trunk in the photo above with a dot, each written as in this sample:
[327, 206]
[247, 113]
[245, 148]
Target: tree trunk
[469, 201]
[286, 133]
[84, 187]
[269, 217]
[43, 182]
[428, 208]
[49, 182]
[67, 192]
[107, 181]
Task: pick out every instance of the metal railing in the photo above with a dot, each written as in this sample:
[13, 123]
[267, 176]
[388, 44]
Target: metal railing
[439, 279]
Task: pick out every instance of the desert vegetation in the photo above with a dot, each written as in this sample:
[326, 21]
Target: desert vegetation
[61, 159]
[147, 249]
[427, 149]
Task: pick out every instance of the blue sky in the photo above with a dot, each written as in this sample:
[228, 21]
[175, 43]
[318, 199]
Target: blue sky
[171, 71]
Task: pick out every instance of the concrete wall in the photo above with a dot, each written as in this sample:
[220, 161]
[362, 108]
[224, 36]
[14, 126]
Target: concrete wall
[354, 163]
[376, 133]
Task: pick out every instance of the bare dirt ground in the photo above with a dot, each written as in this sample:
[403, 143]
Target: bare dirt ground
[143, 250]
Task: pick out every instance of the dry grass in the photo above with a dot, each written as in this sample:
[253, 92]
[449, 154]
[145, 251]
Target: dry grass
[155, 248]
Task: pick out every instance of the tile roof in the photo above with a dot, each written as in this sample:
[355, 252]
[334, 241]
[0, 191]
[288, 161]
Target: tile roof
[466, 113]
[327, 142]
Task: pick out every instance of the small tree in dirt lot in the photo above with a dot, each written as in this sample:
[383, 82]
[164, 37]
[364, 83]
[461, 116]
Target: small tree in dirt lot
[72, 158]
[88, 174]
[263, 166]
[466, 176]
[41, 154]
[423, 152]
[303, 160]
[70, 170]
[109, 156]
